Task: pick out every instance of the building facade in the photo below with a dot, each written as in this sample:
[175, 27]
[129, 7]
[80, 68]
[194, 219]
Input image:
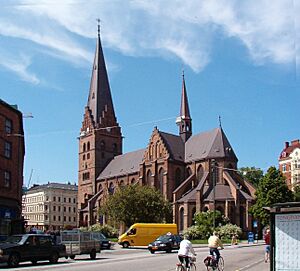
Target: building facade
[51, 206]
[194, 172]
[289, 163]
[12, 151]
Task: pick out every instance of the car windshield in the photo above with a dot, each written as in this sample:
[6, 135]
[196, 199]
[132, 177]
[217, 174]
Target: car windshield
[163, 238]
[14, 239]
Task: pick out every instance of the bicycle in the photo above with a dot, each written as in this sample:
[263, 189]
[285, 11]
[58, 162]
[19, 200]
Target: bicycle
[192, 266]
[211, 264]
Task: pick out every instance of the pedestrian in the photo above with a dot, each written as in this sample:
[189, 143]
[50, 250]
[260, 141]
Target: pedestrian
[267, 248]
[234, 240]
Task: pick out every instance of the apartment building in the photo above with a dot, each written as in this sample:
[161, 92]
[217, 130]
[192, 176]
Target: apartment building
[12, 151]
[289, 163]
[51, 206]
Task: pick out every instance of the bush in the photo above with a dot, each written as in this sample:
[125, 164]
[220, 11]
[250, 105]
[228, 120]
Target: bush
[228, 230]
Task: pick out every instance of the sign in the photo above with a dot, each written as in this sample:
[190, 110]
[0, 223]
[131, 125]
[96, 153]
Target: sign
[254, 223]
[250, 237]
[287, 240]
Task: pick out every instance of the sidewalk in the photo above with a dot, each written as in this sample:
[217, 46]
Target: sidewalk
[241, 244]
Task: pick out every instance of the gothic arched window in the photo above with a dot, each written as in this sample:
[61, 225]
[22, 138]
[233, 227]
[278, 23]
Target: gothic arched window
[200, 173]
[111, 188]
[149, 177]
[161, 180]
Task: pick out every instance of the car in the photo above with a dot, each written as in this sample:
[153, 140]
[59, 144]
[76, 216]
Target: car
[30, 247]
[104, 242]
[166, 242]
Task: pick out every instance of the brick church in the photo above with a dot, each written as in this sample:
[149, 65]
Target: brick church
[194, 172]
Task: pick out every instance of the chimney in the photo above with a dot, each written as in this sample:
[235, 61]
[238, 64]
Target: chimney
[286, 144]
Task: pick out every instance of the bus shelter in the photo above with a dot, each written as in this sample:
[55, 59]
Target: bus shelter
[285, 236]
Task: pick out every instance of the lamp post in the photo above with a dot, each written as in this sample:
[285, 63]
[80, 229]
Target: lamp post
[213, 170]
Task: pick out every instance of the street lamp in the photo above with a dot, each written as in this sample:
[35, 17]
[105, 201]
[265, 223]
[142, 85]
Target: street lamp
[213, 170]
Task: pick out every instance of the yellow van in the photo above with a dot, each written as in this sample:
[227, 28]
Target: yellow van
[141, 234]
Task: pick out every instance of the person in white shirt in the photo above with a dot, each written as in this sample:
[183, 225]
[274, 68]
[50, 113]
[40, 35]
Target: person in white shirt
[185, 251]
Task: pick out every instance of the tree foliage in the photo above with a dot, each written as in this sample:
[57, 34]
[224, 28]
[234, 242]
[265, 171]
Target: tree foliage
[271, 189]
[203, 227]
[228, 230]
[297, 193]
[134, 203]
[252, 174]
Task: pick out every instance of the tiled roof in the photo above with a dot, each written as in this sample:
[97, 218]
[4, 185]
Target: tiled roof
[123, 164]
[288, 150]
[175, 145]
[211, 144]
[222, 192]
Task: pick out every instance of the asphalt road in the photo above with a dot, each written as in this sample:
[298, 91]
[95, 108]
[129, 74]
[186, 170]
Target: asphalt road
[238, 258]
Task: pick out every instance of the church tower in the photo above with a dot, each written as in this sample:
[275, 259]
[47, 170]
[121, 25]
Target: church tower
[184, 121]
[100, 137]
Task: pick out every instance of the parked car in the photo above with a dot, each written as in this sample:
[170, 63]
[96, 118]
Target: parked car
[166, 242]
[104, 242]
[30, 247]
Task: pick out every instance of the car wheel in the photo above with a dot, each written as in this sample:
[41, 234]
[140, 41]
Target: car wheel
[125, 245]
[53, 257]
[93, 254]
[169, 249]
[14, 260]
[72, 257]
[151, 251]
[34, 261]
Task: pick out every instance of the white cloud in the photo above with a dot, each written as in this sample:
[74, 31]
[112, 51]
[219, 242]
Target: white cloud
[185, 30]
[19, 66]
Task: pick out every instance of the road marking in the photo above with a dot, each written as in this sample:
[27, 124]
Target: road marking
[249, 265]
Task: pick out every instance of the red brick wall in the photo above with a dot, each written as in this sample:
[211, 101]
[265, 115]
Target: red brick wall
[14, 164]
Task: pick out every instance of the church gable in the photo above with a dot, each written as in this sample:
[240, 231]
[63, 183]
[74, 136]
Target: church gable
[87, 124]
[156, 148]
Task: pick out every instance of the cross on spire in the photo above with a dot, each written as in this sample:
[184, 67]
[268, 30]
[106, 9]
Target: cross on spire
[98, 21]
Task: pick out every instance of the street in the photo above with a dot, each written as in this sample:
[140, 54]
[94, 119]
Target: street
[237, 258]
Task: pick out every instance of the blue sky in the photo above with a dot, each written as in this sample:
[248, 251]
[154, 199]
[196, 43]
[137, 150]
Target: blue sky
[241, 61]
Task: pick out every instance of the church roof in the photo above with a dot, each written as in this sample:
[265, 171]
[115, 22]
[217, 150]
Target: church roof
[210, 144]
[100, 99]
[175, 145]
[222, 192]
[123, 164]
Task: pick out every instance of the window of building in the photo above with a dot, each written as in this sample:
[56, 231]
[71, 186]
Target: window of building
[65, 218]
[88, 146]
[69, 200]
[70, 209]
[65, 208]
[83, 157]
[54, 208]
[74, 200]
[65, 200]
[7, 179]
[59, 218]
[54, 218]
[54, 198]
[8, 126]
[46, 207]
[284, 168]
[74, 209]
[7, 149]
[84, 147]
[88, 156]
[111, 188]
[59, 208]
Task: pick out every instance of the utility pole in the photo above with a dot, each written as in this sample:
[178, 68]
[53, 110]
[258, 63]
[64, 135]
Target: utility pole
[213, 171]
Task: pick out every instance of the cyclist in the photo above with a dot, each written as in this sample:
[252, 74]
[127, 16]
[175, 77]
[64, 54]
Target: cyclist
[185, 250]
[213, 243]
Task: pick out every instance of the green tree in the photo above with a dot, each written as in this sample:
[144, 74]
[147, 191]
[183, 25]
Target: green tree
[271, 189]
[252, 174]
[204, 223]
[297, 193]
[135, 203]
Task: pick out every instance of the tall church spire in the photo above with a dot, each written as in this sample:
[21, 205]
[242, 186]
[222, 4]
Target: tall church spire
[184, 121]
[100, 100]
